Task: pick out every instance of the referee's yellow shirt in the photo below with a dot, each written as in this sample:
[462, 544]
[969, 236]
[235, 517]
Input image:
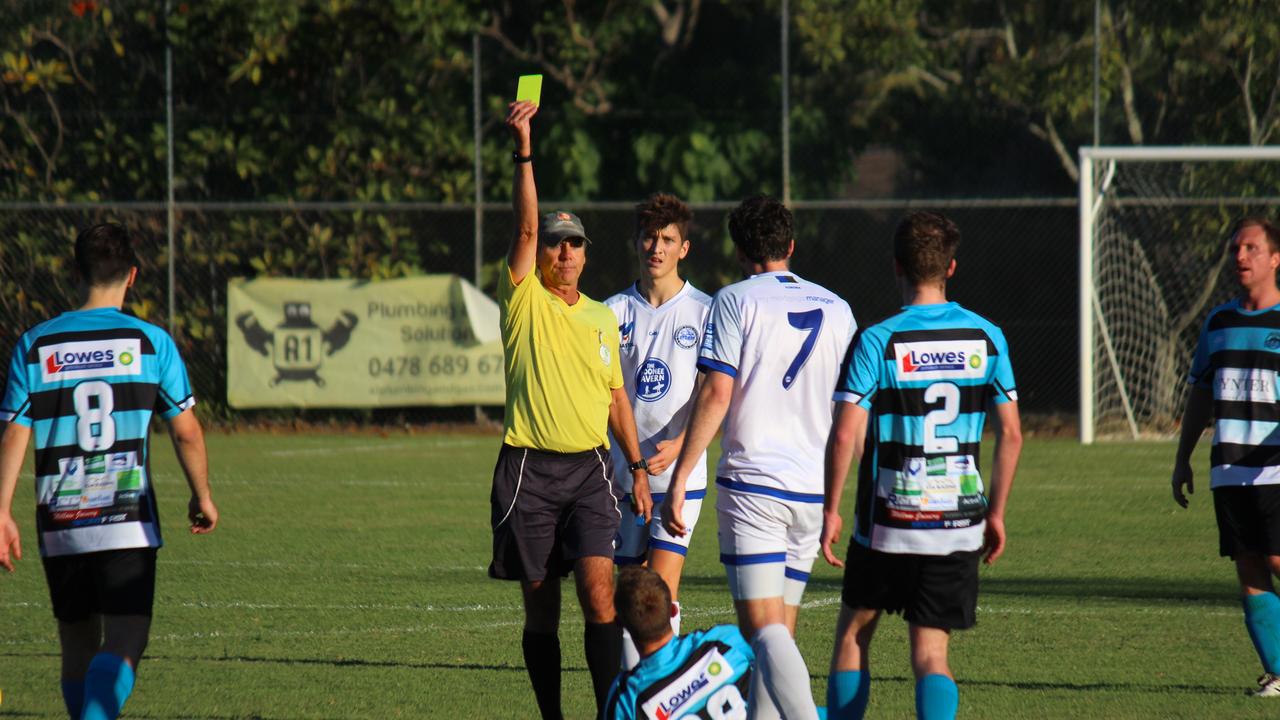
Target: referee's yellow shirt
[561, 365]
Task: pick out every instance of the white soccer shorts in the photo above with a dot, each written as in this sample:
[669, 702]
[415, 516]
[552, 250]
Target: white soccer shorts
[634, 540]
[767, 545]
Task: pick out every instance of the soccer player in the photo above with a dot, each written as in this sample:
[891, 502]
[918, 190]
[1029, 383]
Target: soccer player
[1233, 381]
[661, 319]
[86, 384]
[553, 508]
[705, 674]
[911, 407]
[770, 356]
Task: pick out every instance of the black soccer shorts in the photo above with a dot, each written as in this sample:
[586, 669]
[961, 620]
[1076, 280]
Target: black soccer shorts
[111, 582]
[938, 591]
[1248, 519]
[549, 509]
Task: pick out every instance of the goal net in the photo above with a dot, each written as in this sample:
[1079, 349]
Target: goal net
[1153, 262]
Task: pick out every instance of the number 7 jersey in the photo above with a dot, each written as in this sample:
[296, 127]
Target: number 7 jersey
[926, 375]
[781, 338]
[87, 383]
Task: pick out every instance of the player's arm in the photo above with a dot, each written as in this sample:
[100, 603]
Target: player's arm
[1005, 463]
[13, 451]
[708, 412]
[1195, 417]
[847, 441]
[188, 443]
[669, 450]
[524, 195]
[623, 425]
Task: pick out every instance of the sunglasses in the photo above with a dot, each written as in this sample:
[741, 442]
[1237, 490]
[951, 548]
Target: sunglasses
[574, 242]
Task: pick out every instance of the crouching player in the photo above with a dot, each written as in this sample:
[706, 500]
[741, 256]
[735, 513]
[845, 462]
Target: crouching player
[85, 384]
[660, 320]
[705, 674]
[911, 407]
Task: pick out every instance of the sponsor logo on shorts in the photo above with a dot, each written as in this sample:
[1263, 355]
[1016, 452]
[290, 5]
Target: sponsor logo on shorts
[686, 336]
[653, 380]
[96, 358]
[693, 686]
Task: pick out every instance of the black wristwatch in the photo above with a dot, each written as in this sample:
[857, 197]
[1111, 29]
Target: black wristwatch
[517, 158]
[640, 464]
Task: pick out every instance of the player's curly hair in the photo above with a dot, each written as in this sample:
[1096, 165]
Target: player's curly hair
[104, 254]
[761, 229]
[643, 602]
[924, 244]
[660, 210]
[1269, 228]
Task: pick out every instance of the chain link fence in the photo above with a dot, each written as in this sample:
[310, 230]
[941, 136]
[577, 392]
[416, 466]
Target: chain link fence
[1017, 266]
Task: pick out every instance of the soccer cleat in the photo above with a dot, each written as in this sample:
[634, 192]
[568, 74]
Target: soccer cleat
[1268, 686]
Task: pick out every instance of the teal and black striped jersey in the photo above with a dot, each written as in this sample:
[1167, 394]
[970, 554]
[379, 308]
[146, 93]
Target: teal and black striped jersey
[703, 675]
[926, 376]
[87, 383]
[1238, 356]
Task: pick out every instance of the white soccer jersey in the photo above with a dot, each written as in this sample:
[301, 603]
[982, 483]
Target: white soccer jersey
[782, 339]
[659, 348]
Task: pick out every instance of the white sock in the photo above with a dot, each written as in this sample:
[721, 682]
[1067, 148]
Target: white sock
[630, 655]
[675, 620]
[781, 676]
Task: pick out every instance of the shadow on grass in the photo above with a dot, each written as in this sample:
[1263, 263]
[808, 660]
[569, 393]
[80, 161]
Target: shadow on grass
[1213, 593]
[1121, 687]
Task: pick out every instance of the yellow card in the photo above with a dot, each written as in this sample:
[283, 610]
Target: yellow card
[530, 88]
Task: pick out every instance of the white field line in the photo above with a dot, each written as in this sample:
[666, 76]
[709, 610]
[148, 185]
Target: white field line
[379, 447]
[335, 632]
[688, 612]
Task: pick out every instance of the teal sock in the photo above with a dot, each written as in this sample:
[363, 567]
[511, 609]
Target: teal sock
[847, 694]
[106, 686]
[937, 698]
[73, 696]
[1262, 620]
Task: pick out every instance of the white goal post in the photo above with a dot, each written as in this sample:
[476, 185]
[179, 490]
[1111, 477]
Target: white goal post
[1152, 263]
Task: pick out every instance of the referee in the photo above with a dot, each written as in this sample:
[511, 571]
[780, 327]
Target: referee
[553, 505]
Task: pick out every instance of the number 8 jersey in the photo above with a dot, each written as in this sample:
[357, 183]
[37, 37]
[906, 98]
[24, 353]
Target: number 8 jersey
[87, 383]
[781, 338]
[926, 376]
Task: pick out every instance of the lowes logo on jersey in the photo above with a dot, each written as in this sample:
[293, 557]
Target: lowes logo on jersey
[693, 686]
[653, 380]
[940, 360]
[90, 359]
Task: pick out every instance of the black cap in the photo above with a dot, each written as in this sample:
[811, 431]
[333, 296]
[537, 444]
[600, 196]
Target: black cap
[558, 225]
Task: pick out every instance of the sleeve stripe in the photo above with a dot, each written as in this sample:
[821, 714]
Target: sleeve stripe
[849, 397]
[6, 416]
[188, 403]
[706, 364]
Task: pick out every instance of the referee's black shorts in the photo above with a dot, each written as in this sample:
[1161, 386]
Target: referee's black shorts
[549, 509]
[937, 591]
[1248, 519]
[110, 582]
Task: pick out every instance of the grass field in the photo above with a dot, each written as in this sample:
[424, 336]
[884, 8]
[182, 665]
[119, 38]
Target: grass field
[347, 580]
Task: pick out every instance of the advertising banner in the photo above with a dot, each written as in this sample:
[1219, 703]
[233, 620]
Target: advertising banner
[430, 340]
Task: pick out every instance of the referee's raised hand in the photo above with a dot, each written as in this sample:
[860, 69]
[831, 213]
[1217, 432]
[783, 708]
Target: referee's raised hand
[519, 115]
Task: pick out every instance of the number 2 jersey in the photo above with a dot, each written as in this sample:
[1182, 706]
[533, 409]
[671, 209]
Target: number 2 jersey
[705, 674]
[926, 376]
[659, 349]
[87, 383]
[781, 338]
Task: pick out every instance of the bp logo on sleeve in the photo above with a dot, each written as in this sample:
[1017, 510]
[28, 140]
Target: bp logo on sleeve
[653, 380]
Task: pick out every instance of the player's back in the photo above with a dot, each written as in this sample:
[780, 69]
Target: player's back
[782, 339]
[704, 674]
[928, 374]
[87, 383]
